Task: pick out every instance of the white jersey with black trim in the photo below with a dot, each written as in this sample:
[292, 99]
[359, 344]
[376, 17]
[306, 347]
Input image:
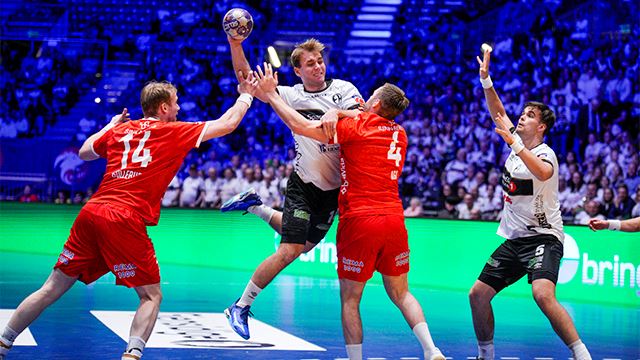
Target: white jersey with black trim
[531, 206]
[317, 162]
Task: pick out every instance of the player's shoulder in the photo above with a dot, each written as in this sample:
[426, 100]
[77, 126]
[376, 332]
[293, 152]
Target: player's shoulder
[544, 151]
[342, 84]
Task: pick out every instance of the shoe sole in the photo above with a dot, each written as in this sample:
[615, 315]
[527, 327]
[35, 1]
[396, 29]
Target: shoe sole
[438, 357]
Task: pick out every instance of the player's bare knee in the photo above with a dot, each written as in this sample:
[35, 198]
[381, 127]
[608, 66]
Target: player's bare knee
[544, 297]
[289, 253]
[477, 296]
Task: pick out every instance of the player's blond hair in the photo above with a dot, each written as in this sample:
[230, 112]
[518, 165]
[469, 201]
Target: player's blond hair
[393, 101]
[155, 93]
[309, 45]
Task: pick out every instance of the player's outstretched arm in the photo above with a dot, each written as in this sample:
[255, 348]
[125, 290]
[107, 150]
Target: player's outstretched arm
[86, 152]
[491, 96]
[542, 170]
[330, 120]
[630, 225]
[268, 81]
[230, 120]
[240, 63]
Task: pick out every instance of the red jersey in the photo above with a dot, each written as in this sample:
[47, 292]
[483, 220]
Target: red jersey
[372, 153]
[143, 156]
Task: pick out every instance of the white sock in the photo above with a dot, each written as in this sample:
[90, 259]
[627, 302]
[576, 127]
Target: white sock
[262, 211]
[485, 350]
[579, 350]
[249, 295]
[134, 348]
[421, 331]
[354, 351]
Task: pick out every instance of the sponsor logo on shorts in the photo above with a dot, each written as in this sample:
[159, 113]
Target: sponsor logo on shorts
[535, 263]
[352, 265]
[124, 271]
[402, 259]
[493, 262]
[301, 214]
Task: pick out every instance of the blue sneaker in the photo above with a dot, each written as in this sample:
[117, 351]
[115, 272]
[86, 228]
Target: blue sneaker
[242, 201]
[239, 319]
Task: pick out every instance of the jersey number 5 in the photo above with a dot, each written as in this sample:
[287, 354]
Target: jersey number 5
[144, 159]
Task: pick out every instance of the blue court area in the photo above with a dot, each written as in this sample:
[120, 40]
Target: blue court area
[306, 309]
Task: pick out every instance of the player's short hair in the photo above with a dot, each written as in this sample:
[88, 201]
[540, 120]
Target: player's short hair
[155, 93]
[393, 101]
[547, 116]
[309, 45]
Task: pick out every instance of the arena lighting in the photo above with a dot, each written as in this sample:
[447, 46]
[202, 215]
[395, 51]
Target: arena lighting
[273, 57]
[97, 100]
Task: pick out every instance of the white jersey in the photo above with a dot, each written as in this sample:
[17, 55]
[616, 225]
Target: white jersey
[317, 162]
[531, 206]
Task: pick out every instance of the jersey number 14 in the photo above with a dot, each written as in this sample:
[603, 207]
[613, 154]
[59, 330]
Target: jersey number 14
[140, 155]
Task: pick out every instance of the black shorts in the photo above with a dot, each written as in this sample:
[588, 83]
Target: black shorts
[538, 256]
[308, 212]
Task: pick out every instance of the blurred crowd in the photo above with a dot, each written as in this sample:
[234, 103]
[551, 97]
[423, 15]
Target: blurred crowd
[453, 164]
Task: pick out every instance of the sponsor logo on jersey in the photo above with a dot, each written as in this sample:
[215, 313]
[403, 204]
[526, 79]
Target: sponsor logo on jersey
[337, 98]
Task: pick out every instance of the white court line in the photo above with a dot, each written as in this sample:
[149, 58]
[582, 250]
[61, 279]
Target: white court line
[409, 358]
[611, 359]
[543, 358]
[376, 358]
[509, 358]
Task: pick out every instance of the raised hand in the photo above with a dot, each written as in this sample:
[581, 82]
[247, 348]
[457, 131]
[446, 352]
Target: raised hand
[484, 64]
[268, 80]
[595, 224]
[502, 128]
[249, 85]
[120, 118]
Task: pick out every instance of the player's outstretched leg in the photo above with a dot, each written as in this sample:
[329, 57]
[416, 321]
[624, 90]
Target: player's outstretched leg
[480, 297]
[250, 201]
[398, 290]
[55, 286]
[544, 293]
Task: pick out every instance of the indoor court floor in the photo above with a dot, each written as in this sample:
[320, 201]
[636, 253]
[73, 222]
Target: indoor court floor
[295, 318]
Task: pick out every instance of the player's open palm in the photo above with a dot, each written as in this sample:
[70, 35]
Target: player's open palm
[268, 79]
[502, 128]
[484, 64]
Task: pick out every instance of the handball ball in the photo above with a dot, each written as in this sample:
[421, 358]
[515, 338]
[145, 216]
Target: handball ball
[237, 23]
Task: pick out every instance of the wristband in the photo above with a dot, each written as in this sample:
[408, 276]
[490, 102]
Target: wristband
[245, 98]
[517, 144]
[614, 225]
[486, 83]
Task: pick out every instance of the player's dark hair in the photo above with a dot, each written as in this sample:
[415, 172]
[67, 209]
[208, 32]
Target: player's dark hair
[155, 93]
[393, 101]
[547, 116]
[309, 45]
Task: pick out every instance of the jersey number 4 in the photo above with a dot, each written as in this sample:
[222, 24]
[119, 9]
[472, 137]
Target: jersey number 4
[394, 154]
[141, 155]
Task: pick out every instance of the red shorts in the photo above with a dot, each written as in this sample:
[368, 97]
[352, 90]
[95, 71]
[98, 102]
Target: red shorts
[366, 244]
[106, 238]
